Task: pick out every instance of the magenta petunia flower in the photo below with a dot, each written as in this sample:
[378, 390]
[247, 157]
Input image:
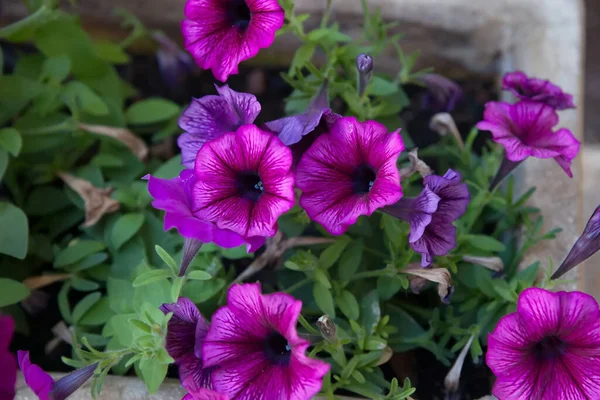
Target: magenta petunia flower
[220, 34]
[175, 197]
[211, 116]
[525, 130]
[8, 363]
[586, 246]
[349, 172]
[548, 349]
[186, 331]
[538, 90]
[204, 394]
[244, 182]
[431, 214]
[44, 386]
[253, 341]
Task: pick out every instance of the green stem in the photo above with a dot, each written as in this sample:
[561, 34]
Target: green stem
[297, 285]
[376, 253]
[370, 274]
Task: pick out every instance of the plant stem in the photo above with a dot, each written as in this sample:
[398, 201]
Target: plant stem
[376, 252]
[297, 285]
[371, 274]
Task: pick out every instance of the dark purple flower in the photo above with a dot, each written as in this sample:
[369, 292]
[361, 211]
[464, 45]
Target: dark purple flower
[586, 245]
[349, 172]
[220, 34]
[186, 331]
[254, 343]
[538, 90]
[8, 363]
[42, 384]
[443, 92]
[244, 182]
[431, 215]
[174, 63]
[211, 116]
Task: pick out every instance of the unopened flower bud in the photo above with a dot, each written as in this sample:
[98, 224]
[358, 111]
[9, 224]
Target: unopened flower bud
[364, 65]
[68, 384]
[327, 328]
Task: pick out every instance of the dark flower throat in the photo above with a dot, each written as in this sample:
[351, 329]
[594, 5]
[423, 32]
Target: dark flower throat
[363, 178]
[239, 14]
[277, 349]
[249, 185]
[549, 348]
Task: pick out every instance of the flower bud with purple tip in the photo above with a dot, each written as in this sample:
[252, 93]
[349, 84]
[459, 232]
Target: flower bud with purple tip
[364, 65]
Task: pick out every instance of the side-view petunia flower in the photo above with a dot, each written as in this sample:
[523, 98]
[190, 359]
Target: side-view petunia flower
[211, 116]
[175, 197]
[186, 331]
[431, 214]
[220, 34]
[548, 349]
[538, 90]
[525, 129]
[443, 94]
[8, 363]
[244, 182]
[349, 172]
[586, 246]
[45, 387]
[253, 341]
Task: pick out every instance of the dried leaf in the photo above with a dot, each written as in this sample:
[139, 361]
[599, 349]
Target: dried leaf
[36, 282]
[97, 200]
[444, 124]
[386, 356]
[441, 276]
[416, 165]
[453, 377]
[123, 135]
[493, 263]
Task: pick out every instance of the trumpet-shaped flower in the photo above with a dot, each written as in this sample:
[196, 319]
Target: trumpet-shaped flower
[538, 90]
[349, 172]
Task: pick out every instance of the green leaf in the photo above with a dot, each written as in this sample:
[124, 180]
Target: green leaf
[350, 260]
[84, 285]
[153, 373]
[151, 111]
[120, 295]
[322, 278]
[98, 314]
[84, 305]
[381, 87]
[348, 304]
[324, 299]
[370, 311]
[12, 292]
[79, 96]
[56, 68]
[198, 275]
[332, 253]
[125, 227]
[170, 169]
[3, 162]
[162, 253]
[14, 231]
[111, 52]
[17, 92]
[303, 54]
[46, 200]
[90, 262]
[236, 253]
[393, 230]
[23, 29]
[388, 286]
[151, 276]
[10, 139]
[176, 288]
[503, 289]
[77, 251]
[484, 242]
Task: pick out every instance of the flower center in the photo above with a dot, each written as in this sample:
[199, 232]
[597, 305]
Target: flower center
[239, 14]
[249, 185]
[277, 349]
[363, 179]
[549, 348]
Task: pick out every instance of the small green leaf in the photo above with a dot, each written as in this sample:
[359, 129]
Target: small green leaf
[370, 311]
[198, 275]
[84, 285]
[10, 139]
[78, 96]
[3, 162]
[388, 286]
[348, 304]
[153, 373]
[381, 87]
[57, 68]
[350, 260]
[151, 276]
[125, 227]
[331, 254]
[141, 325]
[484, 242]
[84, 305]
[12, 292]
[303, 54]
[98, 314]
[14, 231]
[321, 277]
[151, 111]
[162, 253]
[111, 52]
[324, 299]
[77, 251]
[176, 288]
[503, 289]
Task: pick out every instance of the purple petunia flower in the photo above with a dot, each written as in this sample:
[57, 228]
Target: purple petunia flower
[525, 130]
[42, 384]
[431, 214]
[586, 246]
[8, 363]
[175, 197]
[548, 349]
[220, 34]
[349, 172]
[443, 92]
[211, 116]
[244, 182]
[186, 331]
[537, 90]
[204, 394]
[174, 63]
[253, 341]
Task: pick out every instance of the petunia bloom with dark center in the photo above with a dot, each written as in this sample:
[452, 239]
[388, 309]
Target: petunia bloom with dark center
[538, 90]
[349, 172]
[220, 34]
[253, 342]
[548, 349]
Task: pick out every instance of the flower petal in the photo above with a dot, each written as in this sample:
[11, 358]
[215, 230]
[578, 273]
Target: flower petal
[36, 378]
[186, 327]
[540, 312]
